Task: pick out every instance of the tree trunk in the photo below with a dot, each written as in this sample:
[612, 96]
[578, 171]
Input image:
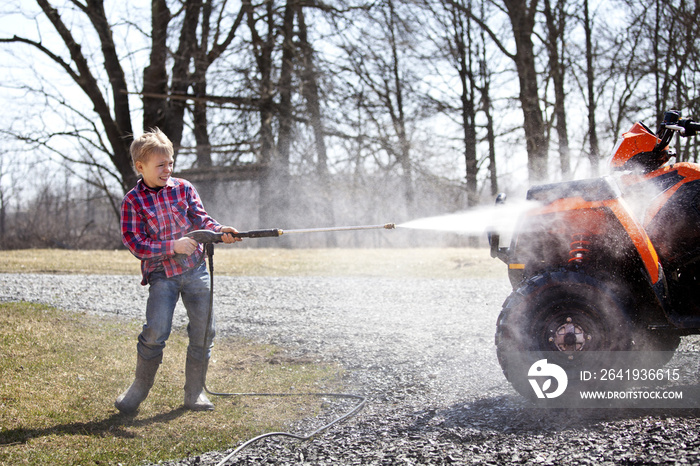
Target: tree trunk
[309, 86]
[285, 118]
[199, 87]
[555, 29]
[594, 154]
[155, 77]
[270, 209]
[181, 79]
[490, 132]
[398, 117]
[522, 18]
[463, 52]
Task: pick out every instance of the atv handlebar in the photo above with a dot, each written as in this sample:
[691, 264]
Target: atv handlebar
[674, 124]
[685, 127]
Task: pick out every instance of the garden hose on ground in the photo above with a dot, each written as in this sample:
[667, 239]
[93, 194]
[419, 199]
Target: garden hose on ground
[361, 401]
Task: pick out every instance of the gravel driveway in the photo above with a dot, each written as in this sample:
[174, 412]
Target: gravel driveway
[421, 350]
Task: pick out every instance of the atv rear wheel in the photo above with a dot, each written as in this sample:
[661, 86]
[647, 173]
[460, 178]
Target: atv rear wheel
[555, 316]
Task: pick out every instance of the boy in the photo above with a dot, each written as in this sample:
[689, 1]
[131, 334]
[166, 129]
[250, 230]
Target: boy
[155, 216]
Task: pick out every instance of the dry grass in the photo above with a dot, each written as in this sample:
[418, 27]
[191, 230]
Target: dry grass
[232, 260]
[57, 392]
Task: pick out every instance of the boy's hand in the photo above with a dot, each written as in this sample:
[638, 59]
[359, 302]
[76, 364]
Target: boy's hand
[229, 238]
[185, 246]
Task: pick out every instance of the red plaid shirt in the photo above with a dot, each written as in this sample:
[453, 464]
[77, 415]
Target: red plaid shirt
[151, 221]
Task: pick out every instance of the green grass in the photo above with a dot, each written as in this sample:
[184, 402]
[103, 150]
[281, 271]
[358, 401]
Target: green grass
[231, 260]
[60, 373]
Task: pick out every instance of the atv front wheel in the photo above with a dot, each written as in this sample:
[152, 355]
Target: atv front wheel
[556, 316]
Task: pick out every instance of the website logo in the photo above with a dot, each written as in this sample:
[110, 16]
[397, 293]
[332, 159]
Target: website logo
[542, 373]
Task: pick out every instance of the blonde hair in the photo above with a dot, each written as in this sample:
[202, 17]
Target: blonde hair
[152, 141]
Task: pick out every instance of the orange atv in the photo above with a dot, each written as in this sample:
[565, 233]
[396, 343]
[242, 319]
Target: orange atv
[608, 264]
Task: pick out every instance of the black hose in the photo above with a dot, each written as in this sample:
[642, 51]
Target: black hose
[353, 411]
[209, 248]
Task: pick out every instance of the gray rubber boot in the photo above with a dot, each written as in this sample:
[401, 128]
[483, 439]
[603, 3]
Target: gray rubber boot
[129, 401]
[195, 399]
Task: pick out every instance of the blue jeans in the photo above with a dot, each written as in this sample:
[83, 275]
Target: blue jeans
[163, 294]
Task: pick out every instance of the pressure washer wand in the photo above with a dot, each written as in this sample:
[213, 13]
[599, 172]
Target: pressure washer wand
[207, 236]
[386, 226]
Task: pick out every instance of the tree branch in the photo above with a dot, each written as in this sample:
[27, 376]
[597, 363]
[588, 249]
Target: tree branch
[483, 26]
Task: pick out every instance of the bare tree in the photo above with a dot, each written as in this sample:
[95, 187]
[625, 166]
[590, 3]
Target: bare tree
[381, 80]
[454, 33]
[112, 110]
[164, 95]
[594, 152]
[271, 92]
[555, 20]
[522, 15]
[263, 29]
[653, 62]
[487, 108]
[312, 95]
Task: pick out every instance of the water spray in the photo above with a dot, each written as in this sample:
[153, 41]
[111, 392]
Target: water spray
[475, 221]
